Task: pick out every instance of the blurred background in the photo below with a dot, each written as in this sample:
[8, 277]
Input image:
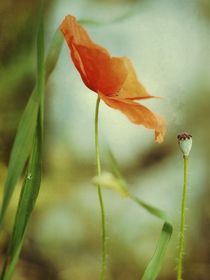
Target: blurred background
[169, 44]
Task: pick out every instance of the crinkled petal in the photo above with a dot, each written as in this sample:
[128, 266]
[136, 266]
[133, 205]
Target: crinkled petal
[138, 114]
[132, 88]
[99, 71]
[102, 73]
[75, 32]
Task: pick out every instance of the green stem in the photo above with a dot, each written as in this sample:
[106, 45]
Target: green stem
[103, 218]
[182, 225]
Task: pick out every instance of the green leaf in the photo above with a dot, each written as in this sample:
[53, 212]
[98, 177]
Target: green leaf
[26, 129]
[54, 52]
[31, 185]
[21, 149]
[40, 63]
[151, 209]
[26, 204]
[156, 262]
[153, 268]
[107, 180]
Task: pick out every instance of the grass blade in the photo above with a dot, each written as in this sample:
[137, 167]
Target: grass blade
[26, 203]
[156, 262]
[26, 129]
[149, 208]
[32, 180]
[41, 65]
[53, 53]
[21, 149]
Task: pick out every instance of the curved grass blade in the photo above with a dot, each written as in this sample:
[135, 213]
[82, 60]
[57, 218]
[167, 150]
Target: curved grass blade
[155, 264]
[26, 204]
[21, 149]
[53, 53]
[32, 180]
[152, 210]
[26, 129]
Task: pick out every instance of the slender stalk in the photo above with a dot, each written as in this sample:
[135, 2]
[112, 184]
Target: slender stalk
[182, 224]
[103, 217]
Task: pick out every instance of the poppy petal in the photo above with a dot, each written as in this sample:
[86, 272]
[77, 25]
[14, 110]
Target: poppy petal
[138, 114]
[132, 88]
[99, 71]
[74, 31]
[102, 73]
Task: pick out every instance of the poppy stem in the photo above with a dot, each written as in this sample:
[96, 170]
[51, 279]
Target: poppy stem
[103, 217]
[182, 223]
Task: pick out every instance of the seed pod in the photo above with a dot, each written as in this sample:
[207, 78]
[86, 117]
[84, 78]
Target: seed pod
[185, 142]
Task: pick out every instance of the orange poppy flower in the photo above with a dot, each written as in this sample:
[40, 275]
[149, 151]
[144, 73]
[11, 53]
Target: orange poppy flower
[112, 78]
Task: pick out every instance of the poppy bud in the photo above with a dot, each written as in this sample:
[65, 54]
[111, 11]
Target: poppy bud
[185, 142]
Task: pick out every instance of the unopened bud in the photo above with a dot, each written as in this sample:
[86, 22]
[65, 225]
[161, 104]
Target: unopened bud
[185, 142]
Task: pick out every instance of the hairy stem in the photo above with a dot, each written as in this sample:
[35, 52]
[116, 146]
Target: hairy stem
[103, 217]
[182, 224]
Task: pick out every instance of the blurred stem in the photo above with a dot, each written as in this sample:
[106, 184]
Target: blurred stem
[103, 218]
[182, 224]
